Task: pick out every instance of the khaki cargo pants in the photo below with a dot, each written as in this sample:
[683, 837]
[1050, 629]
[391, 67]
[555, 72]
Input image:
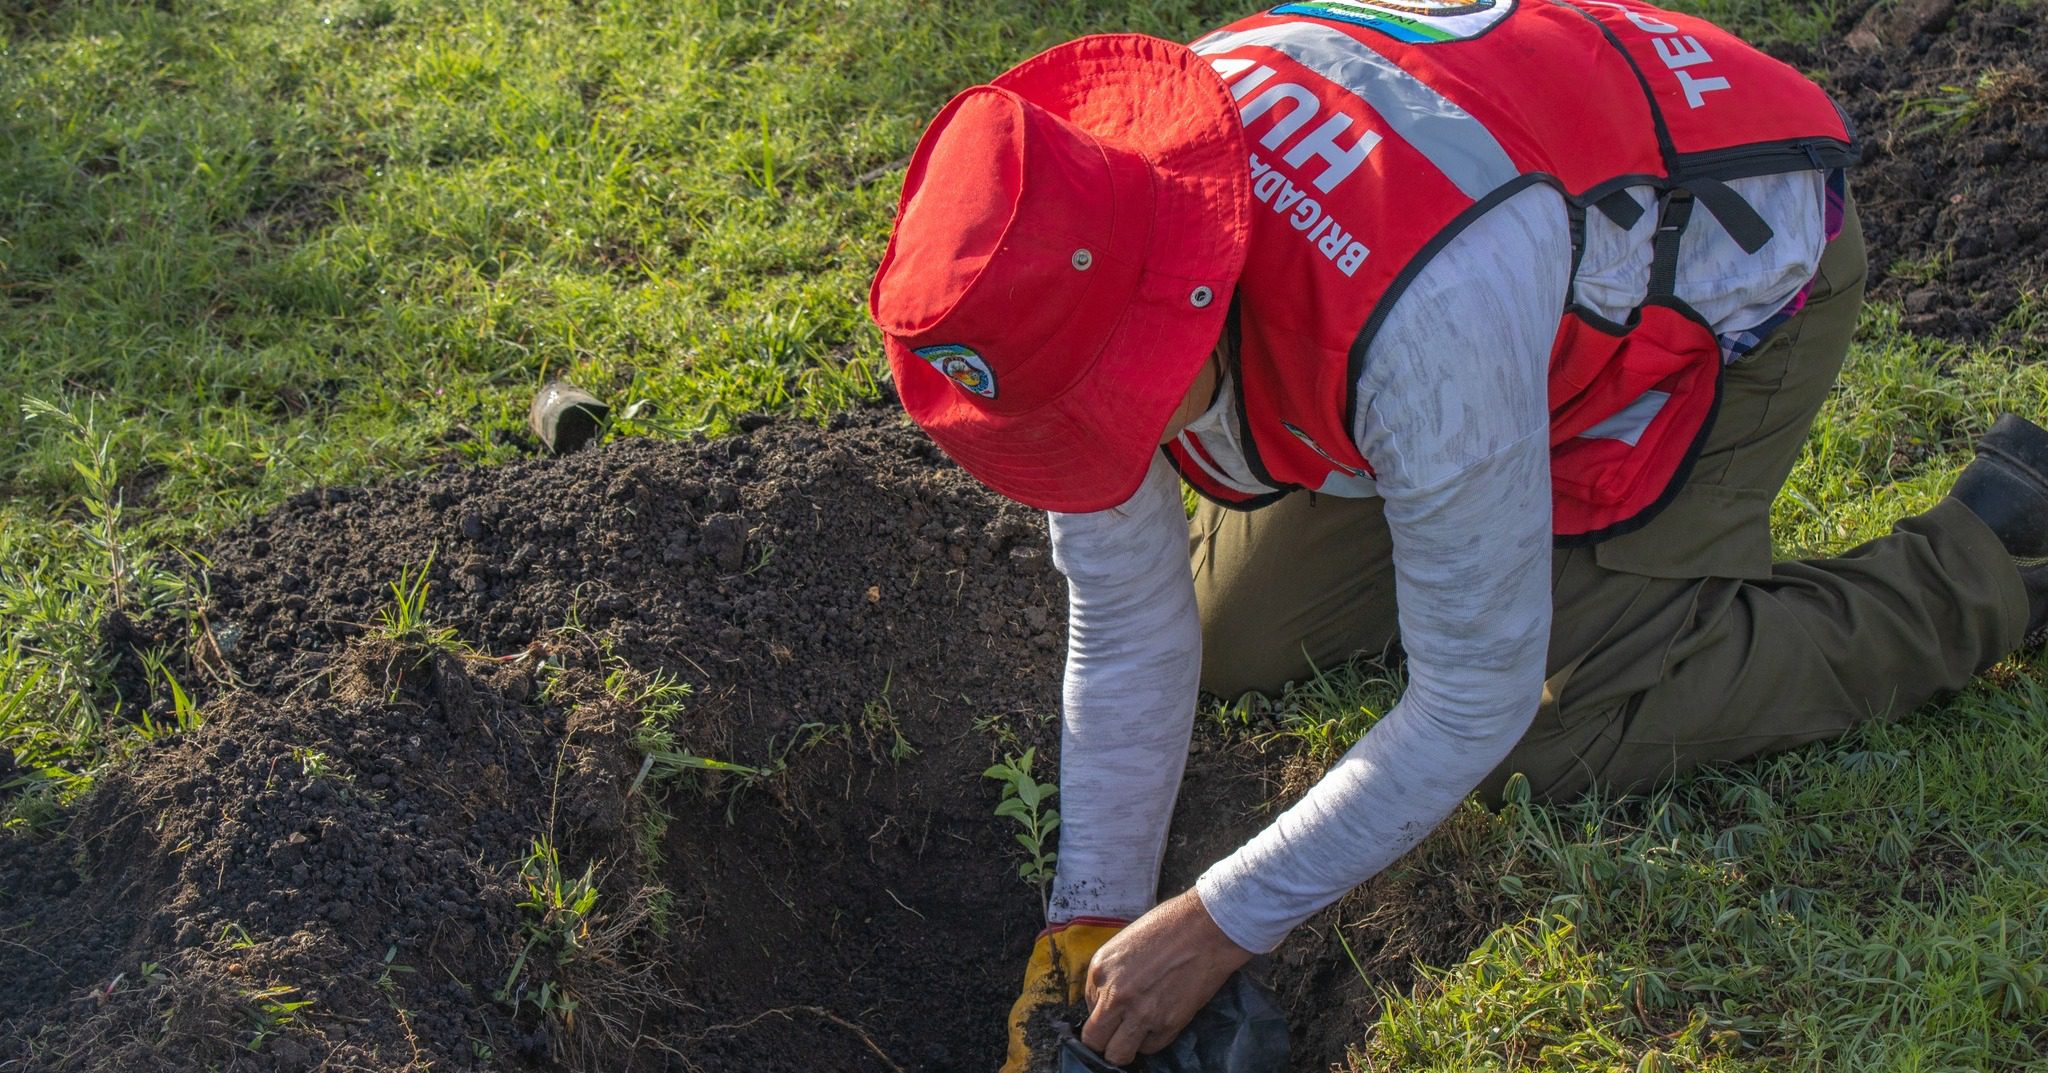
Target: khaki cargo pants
[1676, 645]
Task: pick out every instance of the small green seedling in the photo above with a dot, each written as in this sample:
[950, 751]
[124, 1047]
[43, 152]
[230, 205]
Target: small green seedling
[385, 981]
[315, 764]
[1026, 800]
[271, 1011]
[185, 714]
[661, 764]
[559, 914]
[996, 726]
[405, 621]
[878, 721]
[235, 936]
[1957, 105]
[658, 697]
[97, 446]
[670, 763]
[761, 561]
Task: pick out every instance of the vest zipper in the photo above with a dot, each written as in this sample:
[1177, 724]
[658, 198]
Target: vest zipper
[1747, 161]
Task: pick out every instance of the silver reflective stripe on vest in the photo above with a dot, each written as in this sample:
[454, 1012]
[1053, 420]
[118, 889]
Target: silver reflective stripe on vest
[1628, 425]
[1460, 146]
[1349, 486]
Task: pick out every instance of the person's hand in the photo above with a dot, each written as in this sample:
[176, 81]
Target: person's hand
[1148, 982]
[1053, 979]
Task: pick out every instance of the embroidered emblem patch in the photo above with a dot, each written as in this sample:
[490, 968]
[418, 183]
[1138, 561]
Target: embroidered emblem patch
[961, 365]
[1418, 22]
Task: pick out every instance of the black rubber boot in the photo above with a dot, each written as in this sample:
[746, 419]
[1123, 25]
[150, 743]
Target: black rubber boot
[2007, 486]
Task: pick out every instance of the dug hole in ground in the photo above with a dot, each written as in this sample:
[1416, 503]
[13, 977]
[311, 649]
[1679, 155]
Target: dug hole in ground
[421, 828]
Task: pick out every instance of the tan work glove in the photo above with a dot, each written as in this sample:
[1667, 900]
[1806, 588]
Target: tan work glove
[1056, 975]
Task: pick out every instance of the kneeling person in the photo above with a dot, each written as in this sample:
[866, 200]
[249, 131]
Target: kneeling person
[1510, 373]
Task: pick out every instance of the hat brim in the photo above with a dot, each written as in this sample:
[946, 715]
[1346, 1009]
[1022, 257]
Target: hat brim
[1089, 449]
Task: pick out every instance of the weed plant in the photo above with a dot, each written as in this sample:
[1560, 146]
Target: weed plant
[404, 621]
[55, 605]
[659, 700]
[1957, 105]
[272, 1010]
[884, 731]
[558, 912]
[579, 968]
[184, 713]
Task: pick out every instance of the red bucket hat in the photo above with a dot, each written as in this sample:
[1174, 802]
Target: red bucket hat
[1063, 258]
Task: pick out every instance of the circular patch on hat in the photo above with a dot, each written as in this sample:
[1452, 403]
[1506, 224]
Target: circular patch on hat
[962, 366]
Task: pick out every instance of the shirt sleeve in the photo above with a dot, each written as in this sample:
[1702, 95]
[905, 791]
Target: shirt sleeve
[1453, 413]
[1134, 657]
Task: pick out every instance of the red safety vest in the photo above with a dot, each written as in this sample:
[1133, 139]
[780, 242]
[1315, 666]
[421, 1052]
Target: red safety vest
[1378, 130]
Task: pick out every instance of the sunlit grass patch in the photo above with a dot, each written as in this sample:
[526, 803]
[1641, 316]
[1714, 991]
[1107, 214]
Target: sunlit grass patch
[1871, 904]
[1897, 430]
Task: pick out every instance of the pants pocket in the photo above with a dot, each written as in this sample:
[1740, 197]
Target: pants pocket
[1708, 530]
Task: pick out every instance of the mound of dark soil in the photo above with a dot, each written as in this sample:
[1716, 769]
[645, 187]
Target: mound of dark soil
[359, 824]
[1952, 104]
[845, 610]
[331, 878]
[832, 557]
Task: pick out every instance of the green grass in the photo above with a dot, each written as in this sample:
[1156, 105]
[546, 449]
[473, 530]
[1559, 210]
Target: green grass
[1874, 904]
[557, 922]
[250, 246]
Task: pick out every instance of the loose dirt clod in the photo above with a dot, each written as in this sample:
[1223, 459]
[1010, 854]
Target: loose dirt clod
[1951, 101]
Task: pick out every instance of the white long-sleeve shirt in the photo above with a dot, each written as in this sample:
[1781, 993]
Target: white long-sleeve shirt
[1453, 414]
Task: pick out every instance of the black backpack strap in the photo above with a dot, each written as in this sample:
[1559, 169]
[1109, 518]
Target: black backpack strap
[1737, 215]
[1621, 208]
[1671, 221]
